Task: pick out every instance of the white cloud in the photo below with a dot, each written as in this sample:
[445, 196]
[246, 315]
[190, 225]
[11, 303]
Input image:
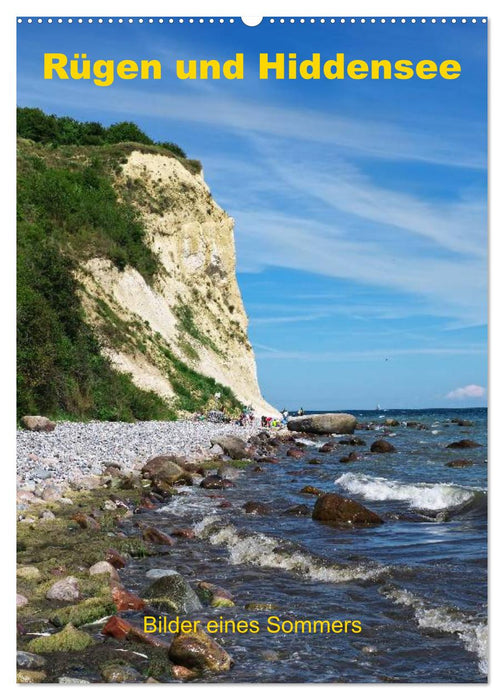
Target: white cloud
[471, 391]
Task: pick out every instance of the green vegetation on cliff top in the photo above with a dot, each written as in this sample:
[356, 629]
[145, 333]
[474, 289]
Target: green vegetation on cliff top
[68, 212]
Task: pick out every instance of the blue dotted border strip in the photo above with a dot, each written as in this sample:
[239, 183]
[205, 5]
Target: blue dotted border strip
[232, 20]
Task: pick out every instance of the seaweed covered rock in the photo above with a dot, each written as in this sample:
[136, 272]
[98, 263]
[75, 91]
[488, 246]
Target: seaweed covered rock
[26, 676]
[119, 673]
[197, 650]
[69, 639]
[172, 593]
[331, 507]
[83, 613]
[215, 596]
[165, 473]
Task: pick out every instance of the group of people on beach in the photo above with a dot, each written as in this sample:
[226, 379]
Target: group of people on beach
[270, 422]
[247, 417]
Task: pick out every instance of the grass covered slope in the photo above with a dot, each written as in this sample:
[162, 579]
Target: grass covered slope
[69, 212]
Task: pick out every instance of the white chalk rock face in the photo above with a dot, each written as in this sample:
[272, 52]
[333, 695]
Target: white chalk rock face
[194, 307]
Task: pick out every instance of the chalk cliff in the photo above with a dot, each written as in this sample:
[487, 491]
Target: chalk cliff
[192, 312]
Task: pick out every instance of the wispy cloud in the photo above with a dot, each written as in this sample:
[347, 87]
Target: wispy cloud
[442, 286]
[367, 137]
[364, 355]
[276, 320]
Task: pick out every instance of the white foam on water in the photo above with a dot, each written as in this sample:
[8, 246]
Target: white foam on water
[420, 495]
[473, 634]
[263, 551]
[196, 505]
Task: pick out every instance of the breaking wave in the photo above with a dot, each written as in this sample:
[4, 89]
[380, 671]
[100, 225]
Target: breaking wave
[261, 550]
[472, 632]
[420, 495]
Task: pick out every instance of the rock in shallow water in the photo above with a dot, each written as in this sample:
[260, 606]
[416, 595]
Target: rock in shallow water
[463, 445]
[331, 507]
[163, 473]
[172, 593]
[234, 447]
[382, 446]
[197, 650]
[459, 463]
[324, 423]
[118, 673]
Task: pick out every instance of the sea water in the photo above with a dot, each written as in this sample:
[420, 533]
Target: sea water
[417, 583]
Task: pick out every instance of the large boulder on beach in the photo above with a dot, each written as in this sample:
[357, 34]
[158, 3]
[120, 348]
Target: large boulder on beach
[164, 473]
[172, 593]
[324, 423]
[38, 423]
[331, 507]
[233, 447]
[197, 650]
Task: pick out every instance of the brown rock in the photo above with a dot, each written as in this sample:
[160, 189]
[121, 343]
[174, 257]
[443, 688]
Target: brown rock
[181, 673]
[197, 650]
[165, 473]
[38, 423]
[460, 463]
[463, 445]
[328, 447]
[117, 560]
[299, 510]
[152, 534]
[352, 457]
[125, 600]
[312, 490]
[116, 627]
[295, 453]
[256, 508]
[352, 441]
[87, 522]
[186, 533]
[382, 446]
[331, 507]
[120, 629]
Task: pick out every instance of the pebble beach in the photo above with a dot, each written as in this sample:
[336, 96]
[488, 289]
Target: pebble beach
[76, 450]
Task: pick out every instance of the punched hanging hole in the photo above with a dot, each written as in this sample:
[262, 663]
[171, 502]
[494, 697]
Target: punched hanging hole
[251, 21]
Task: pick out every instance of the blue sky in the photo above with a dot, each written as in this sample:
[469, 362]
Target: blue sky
[359, 206]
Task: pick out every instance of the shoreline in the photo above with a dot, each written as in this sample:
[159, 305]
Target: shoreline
[77, 452]
[150, 534]
[78, 536]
